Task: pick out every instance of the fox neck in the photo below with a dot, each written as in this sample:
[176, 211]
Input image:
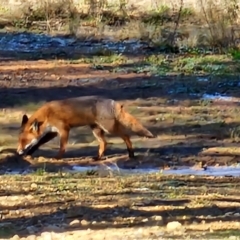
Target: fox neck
[45, 131]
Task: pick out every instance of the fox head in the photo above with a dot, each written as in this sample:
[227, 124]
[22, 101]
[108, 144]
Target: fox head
[29, 134]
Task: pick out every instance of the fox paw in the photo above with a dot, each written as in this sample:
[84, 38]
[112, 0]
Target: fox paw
[97, 158]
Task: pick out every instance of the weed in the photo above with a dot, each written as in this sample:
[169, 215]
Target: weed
[235, 134]
[235, 54]
[7, 231]
[41, 171]
[187, 12]
[158, 16]
[103, 57]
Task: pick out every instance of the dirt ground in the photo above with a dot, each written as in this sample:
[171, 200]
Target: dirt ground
[73, 206]
[190, 131]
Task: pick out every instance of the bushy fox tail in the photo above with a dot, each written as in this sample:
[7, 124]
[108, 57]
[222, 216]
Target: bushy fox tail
[129, 121]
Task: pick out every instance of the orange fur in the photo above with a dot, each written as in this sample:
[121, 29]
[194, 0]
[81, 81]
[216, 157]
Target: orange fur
[100, 114]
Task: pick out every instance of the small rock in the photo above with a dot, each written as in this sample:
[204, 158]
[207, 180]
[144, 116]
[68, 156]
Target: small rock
[41, 159]
[52, 228]
[139, 233]
[31, 237]
[74, 223]
[158, 218]
[15, 237]
[34, 186]
[236, 214]
[46, 236]
[237, 224]
[84, 222]
[233, 238]
[145, 220]
[228, 213]
[31, 229]
[174, 226]
[160, 234]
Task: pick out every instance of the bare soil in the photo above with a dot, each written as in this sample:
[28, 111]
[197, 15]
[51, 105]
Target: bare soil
[190, 131]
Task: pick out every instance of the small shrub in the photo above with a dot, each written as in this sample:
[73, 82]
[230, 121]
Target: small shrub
[235, 54]
[45, 11]
[158, 16]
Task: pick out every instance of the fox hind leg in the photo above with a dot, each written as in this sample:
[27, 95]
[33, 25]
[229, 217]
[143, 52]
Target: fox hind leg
[128, 143]
[119, 131]
[99, 135]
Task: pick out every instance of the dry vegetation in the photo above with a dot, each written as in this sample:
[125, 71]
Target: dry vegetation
[183, 24]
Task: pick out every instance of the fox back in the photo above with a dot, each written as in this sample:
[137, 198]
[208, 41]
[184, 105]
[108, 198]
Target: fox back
[58, 117]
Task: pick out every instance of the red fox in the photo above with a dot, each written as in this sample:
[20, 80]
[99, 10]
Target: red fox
[59, 117]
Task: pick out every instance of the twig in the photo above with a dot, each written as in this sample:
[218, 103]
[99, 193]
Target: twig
[177, 23]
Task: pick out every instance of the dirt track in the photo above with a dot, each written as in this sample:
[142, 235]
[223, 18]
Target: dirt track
[26, 84]
[190, 132]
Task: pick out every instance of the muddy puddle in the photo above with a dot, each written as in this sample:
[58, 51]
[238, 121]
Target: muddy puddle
[36, 43]
[104, 170]
[219, 97]
[210, 171]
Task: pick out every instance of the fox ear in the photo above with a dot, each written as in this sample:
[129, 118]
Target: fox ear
[24, 119]
[35, 125]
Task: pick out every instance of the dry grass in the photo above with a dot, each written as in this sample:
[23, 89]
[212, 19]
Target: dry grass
[199, 203]
[182, 24]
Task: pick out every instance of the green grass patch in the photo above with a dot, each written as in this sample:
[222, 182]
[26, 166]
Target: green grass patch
[161, 64]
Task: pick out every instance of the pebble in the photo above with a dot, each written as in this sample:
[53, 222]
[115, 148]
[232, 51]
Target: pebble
[233, 238]
[158, 219]
[174, 226]
[46, 236]
[31, 229]
[52, 228]
[74, 223]
[34, 186]
[15, 237]
[31, 237]
[84, 222]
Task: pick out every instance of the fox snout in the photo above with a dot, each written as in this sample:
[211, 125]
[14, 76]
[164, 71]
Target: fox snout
[23, 149]
[20, 151]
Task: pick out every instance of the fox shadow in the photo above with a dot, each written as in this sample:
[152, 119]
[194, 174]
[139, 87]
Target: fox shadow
[145, 157]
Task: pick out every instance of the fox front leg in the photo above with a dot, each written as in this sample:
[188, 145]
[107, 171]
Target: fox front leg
[63, 143]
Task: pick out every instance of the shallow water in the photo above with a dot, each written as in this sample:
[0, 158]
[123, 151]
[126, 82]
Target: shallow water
[210, 171]
[105, 170]
[219, 97]
[31, 42]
